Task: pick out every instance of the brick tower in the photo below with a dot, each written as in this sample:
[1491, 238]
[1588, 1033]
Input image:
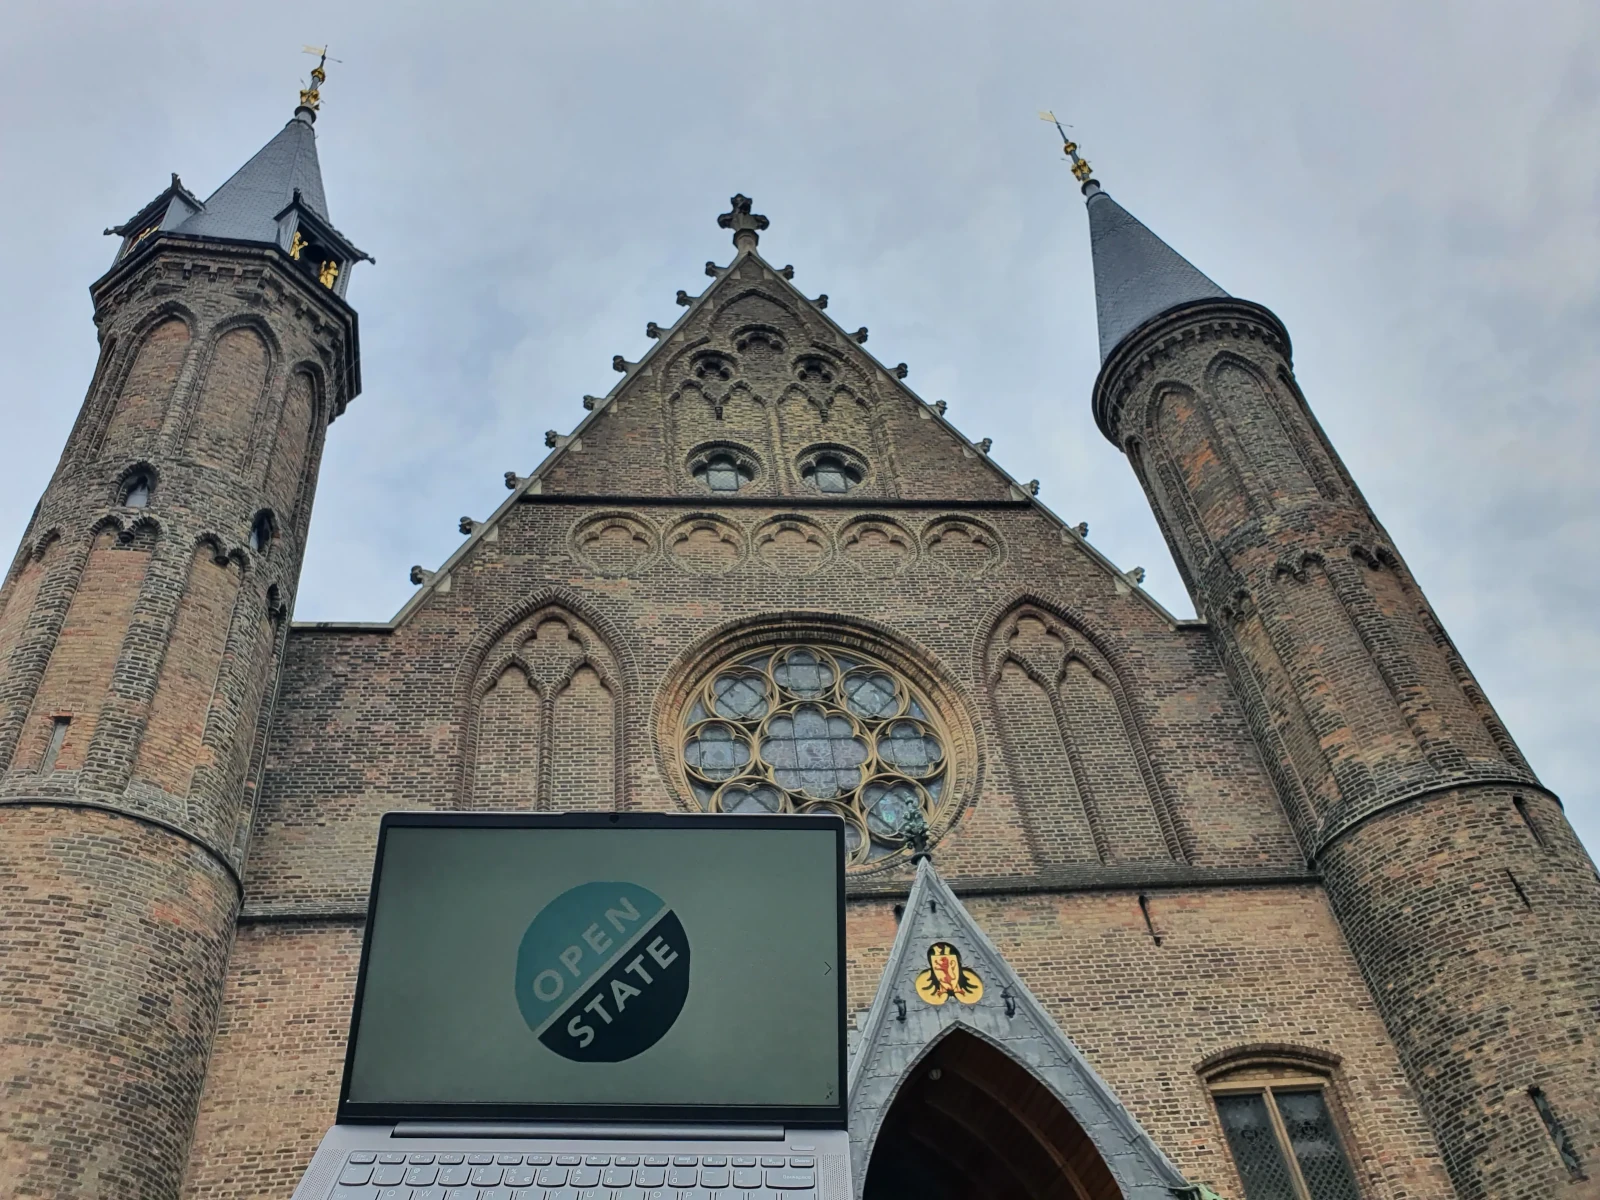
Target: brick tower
[1469, 903]
[141, 628]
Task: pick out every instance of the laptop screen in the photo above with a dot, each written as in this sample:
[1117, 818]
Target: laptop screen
[632, 966]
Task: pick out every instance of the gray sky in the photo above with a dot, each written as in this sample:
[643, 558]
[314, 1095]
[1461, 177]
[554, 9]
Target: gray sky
[1411, 187]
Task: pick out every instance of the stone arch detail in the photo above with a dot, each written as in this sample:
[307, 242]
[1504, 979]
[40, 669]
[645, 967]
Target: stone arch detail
[225, 410]
[1200, 461]
[1273, 452]
[171, 748]
[543, 712]
[140, 401]
[1076, 748]
[77, 670]
[300, 419]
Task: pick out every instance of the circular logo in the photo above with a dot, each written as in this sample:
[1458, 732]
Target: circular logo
[603, 972]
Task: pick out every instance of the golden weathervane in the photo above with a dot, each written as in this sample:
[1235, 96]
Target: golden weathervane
[311, 97]
[1080, 166]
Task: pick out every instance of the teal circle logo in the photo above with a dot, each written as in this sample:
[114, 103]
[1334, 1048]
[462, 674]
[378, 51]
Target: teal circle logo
[603, 972]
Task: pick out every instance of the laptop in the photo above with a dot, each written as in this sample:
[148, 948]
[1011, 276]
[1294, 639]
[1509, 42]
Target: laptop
[607, 1006]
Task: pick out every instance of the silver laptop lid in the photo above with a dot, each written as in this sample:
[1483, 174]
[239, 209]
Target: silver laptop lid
[629, 967]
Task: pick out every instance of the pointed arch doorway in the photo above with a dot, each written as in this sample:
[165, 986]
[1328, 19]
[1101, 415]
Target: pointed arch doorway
[971, 1123]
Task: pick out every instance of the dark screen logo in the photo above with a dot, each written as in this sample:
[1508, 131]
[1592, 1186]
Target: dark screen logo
[603, 972]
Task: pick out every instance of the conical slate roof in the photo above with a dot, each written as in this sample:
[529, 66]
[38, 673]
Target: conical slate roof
[1137, 276]
[246, 207]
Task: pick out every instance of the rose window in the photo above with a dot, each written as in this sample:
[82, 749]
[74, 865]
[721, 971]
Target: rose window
[807, 728]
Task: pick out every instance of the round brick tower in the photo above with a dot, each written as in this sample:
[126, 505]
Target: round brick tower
[141, 628]
[1467, 899]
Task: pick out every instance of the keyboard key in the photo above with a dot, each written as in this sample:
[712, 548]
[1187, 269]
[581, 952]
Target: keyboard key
[683, 1177]
[626, 1160]
[712, 1160]
[394, 1193]
[584, 1177]
[552, 1177]
[422, 1176]
[388, 1176]
[508, 1160]
[617, 1177]
[451, 1159]
[494, 1193]
[538, 1160]
[597, 1160]
[791, 1179]
[685, 1160]
[714, 1177]
[805, 1161]
[656, 1160]
[420, 1158]
[592, 1194]
[565, 1193]
[363, 1156]
[569, 1160]
[353, 1193]
[649, 1177]
[355, 1176]
[746, 1177]
[741, 1161]
[479, 1160]
[518, 1177]
[453, 1176]
[695, 1194]
[427, 1193]
[461, 1194]
[773, 1162]
[486, 1177]
[391, 1158]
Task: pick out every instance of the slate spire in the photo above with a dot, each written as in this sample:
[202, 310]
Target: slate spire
[1137, 276]
[275, 199]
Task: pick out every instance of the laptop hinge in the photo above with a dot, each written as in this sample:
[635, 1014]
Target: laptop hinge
[541, 1129]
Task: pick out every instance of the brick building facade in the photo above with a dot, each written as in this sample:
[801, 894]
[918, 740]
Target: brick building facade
[1266, 901]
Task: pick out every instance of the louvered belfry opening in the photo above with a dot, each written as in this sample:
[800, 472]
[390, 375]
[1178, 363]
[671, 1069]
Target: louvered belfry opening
[973, 1124]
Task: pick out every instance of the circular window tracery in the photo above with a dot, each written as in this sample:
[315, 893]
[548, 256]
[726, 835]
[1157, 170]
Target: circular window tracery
[813, 728]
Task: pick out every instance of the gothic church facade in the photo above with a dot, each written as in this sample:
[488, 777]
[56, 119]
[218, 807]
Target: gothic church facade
[1266, 902]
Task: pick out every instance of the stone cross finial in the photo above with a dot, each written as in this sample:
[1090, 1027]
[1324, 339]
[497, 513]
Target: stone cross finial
[744, 223]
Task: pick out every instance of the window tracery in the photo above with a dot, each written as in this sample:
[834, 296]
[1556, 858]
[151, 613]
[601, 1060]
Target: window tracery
[812, 728]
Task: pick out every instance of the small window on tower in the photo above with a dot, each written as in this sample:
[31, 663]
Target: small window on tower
[261, 532]
[137, 492]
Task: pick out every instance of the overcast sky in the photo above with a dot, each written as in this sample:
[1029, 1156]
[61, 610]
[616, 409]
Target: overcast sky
[1412, 187]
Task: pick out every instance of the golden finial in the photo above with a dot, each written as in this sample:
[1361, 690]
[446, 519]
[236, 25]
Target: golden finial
[311, 97]
[1081, 170]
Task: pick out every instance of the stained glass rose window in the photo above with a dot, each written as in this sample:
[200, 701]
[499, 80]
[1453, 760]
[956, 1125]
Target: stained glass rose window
[813, 728]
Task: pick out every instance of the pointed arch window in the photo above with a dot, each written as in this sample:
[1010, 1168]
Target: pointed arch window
[1284, 1132]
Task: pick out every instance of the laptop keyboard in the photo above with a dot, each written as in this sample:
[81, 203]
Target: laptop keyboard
[422, 1176]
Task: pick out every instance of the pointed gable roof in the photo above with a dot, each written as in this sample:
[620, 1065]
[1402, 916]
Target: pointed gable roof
[1137, 276]
[246, 208]
[889, 1045]
[746, 226]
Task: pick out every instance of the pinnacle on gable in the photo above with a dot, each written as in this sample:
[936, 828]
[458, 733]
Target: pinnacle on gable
[683, 299]
[821, 301]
